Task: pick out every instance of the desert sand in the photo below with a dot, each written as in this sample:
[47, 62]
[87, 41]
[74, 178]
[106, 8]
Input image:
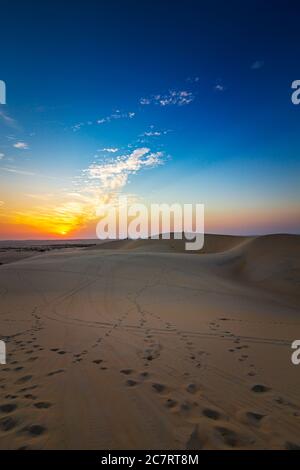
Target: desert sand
[139, 345]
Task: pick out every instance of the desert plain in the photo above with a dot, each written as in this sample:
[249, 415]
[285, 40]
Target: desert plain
[141, 345]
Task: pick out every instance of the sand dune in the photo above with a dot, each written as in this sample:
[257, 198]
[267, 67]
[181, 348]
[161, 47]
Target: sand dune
[140, 345]
[212, 244]
[271, 261]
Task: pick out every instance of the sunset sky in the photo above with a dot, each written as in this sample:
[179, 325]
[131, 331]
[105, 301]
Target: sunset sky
[162, 101]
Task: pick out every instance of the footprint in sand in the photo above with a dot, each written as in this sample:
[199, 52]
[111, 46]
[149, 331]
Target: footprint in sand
[192, 388]
[170, 403]
[24, 379]
[32, 359]
[211, 414]
[258, 388]
[288, 403]
[251, 373]
[8, 407]
[187, 406]
[29, 396]
[42, 404]
[254, 418]
[26, 389]
[228, 436]
[131, 383]
[126, 371]
[34, 430]
[54, 372]
[144, 375]
[8, 423]
[159, 388]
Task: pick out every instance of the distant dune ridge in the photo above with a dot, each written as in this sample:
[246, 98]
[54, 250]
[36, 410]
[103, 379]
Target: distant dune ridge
[272, 261]
[140, 344]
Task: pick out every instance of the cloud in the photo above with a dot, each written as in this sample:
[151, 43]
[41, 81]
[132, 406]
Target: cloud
[219, 87]
[258, 64]
[40, 197]
[154, 133]
[111, 117]
[2, 156]
[16, 171]
[193, 79]
[98, 184]
[145, 101]
[114, 175]
[109, 150]
[21, 145]
[78, 126]
[1, 203]
[173, 97]
[9, 121]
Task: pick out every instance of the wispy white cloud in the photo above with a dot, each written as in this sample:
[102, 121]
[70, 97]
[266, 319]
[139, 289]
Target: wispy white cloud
[39, 196]
[2, 156]
[109, 150]
[154, 132]
[219, 87]
[9, 121]
[193, 79]
[113, 176]
[258, 64]
[173, 97]
[145, 101]
[116, 115]
[21, 145]
[17, 171]
[78, 126]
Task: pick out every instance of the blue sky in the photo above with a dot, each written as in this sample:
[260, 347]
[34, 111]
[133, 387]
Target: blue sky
[205, 87]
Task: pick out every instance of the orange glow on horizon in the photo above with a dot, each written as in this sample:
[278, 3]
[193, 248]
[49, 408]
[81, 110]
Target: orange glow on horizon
[64, 224]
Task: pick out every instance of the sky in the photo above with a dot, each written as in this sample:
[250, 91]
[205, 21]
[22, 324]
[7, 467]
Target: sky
[165, 102]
